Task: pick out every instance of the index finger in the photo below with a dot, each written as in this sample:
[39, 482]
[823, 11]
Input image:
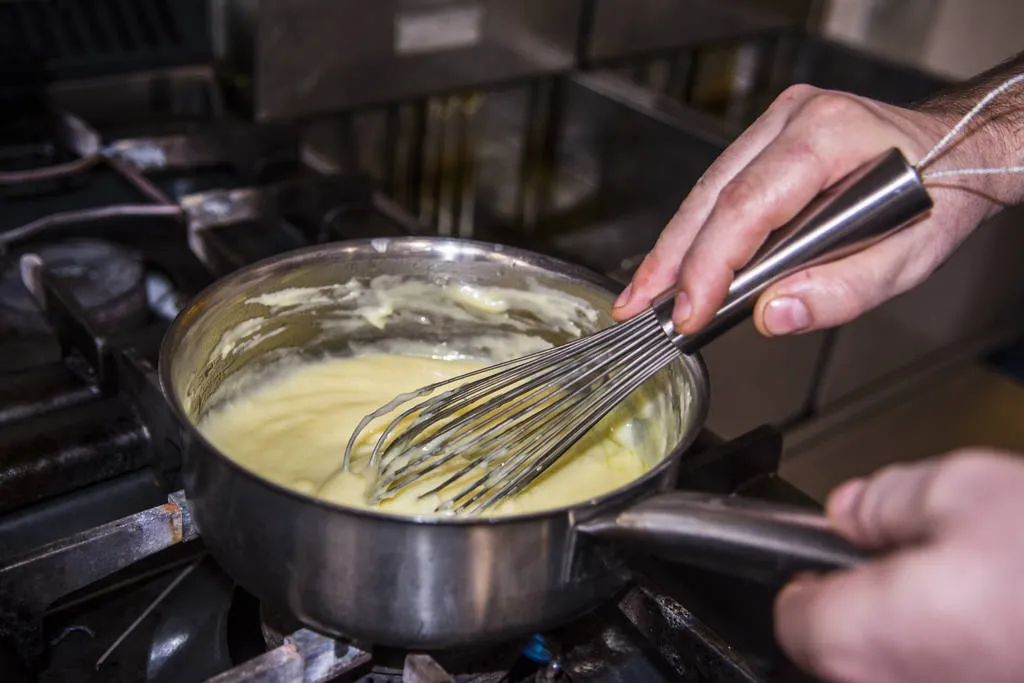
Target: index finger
[660, 269]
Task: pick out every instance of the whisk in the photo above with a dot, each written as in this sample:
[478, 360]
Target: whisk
[489, 434]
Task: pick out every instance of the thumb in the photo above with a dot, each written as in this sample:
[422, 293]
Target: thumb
[834, 293]
[891, 508]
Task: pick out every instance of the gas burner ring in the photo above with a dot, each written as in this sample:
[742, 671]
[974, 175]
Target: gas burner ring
[108, 282]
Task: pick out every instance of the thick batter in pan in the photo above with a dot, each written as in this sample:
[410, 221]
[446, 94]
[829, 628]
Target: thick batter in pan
[293, 430]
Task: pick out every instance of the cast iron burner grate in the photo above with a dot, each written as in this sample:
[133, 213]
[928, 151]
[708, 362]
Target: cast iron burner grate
[661, 630]
[514, 662]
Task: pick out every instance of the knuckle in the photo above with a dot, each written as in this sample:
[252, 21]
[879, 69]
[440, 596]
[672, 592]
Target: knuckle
[869, 514]
[829, 106]
[942, 494]
[805, 150]
[843, 299]
[850, 298]
[644, 268]
[649, 271]
[693, 275]
[967, 462]
[655, 262]
[739, 197]
[881, 480]
[795, 93]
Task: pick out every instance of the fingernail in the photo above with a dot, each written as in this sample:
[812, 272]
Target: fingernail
[786, 315]
[624, 297]
[682, 310]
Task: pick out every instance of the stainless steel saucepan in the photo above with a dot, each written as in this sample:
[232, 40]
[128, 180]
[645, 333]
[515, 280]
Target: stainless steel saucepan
[428, 582]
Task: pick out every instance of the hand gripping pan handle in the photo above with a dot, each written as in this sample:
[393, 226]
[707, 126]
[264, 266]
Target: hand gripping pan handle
[727, 534]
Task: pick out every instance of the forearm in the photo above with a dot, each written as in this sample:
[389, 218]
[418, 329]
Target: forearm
[959, 98]
[996, 135]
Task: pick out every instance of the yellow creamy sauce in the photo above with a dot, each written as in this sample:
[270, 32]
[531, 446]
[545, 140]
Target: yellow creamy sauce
[293, 430]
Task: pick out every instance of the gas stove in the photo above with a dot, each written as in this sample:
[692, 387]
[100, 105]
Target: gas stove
[109, 224]
[164, 611]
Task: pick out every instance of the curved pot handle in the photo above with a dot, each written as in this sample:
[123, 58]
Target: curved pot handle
[738, 536]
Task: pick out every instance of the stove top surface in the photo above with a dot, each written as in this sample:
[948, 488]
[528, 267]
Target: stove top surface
[177, 616]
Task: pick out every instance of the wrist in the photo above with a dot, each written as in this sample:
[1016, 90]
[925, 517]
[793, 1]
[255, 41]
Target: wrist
[982, 144]
[1004, 138]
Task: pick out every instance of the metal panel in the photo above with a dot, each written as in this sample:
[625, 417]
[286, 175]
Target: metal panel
[835, 66]
[289, 58]
[65, 39]
[737, 79]
[755, 380]
[621, 28]
[979, 289]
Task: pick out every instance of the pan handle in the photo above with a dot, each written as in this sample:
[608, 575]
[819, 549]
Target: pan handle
[738, 536]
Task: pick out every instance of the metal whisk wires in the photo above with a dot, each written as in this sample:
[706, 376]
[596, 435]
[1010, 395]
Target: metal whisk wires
[489, 434]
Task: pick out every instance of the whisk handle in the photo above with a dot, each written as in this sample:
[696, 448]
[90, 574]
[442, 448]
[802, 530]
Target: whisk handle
[871, 203]
[736, 536]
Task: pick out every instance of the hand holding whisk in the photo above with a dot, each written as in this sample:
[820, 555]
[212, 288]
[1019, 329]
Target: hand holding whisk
[489, 434]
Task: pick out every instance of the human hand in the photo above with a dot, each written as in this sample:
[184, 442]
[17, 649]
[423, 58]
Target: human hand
[944, 604]
[806, 141]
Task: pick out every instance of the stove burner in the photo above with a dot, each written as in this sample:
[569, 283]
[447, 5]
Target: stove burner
[508, 662]
[108, 282]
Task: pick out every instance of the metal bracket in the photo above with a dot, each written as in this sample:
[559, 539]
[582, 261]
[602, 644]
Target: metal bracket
[36, 579]
[70, 322]
[423, 669]
[113, 370]
[305, 657]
